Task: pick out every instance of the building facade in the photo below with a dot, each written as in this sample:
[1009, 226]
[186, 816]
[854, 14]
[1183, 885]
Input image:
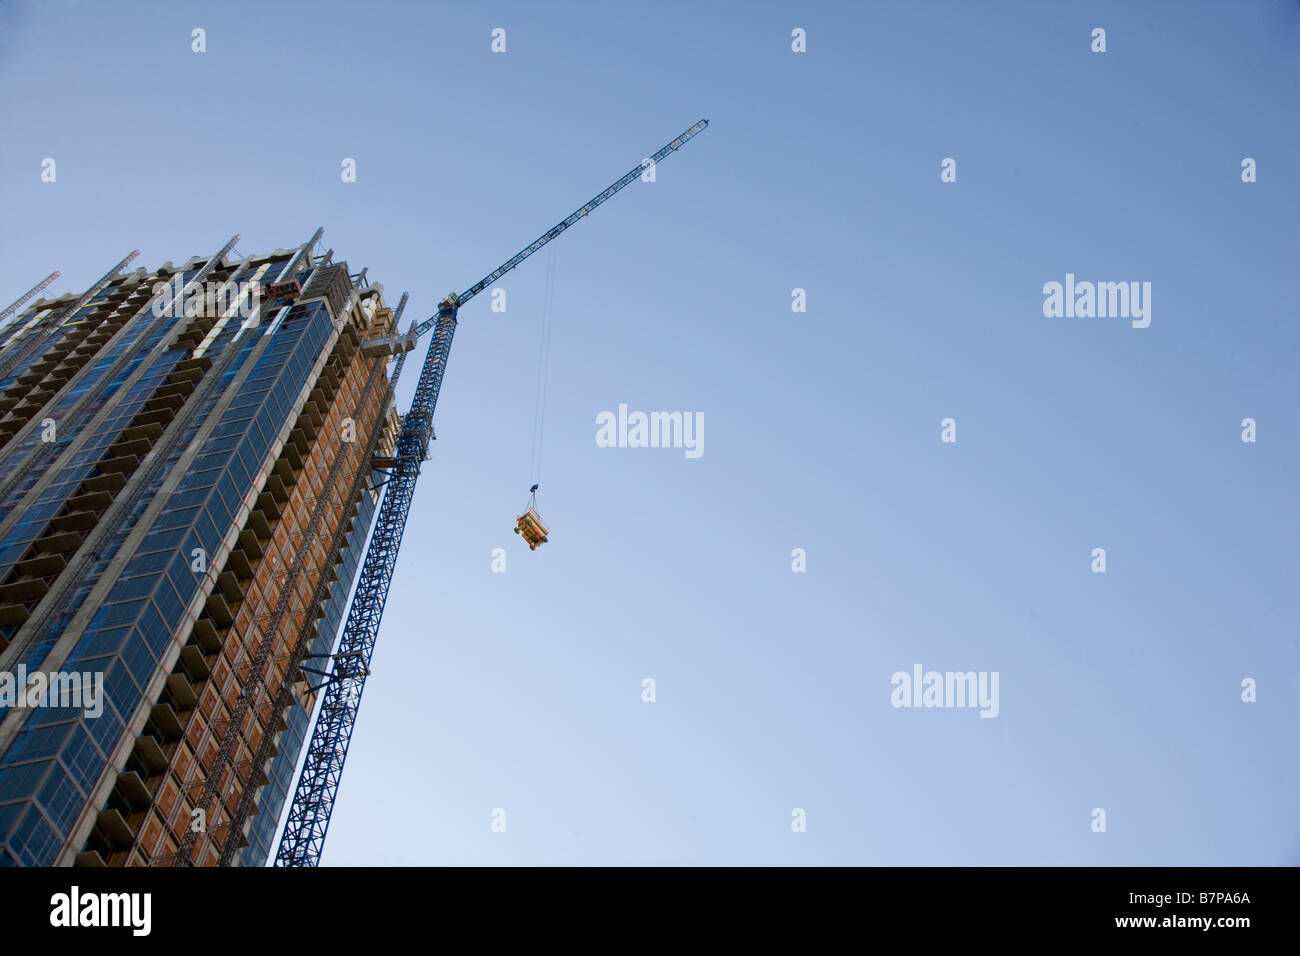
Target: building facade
[186, 486]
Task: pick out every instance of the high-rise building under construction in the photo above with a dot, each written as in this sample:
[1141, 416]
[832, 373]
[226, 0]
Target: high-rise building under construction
[187, 480]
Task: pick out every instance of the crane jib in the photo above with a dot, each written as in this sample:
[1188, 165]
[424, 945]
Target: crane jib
[456, 301]
[581, 211]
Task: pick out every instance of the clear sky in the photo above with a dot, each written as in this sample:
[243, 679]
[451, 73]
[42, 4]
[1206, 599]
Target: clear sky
[819, 171]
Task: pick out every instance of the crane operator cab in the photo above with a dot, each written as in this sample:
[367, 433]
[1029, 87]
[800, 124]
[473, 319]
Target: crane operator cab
[529, 525]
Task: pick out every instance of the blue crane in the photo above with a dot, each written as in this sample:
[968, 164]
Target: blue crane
[313, 800]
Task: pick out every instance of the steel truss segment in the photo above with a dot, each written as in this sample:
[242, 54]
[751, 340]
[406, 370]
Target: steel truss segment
[313, 801]
[586, 208]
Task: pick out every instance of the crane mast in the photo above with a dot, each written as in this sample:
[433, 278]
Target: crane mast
[31, 293]
[313, 800]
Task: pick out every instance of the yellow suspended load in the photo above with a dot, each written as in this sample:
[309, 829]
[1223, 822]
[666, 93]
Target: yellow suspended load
[530, 526]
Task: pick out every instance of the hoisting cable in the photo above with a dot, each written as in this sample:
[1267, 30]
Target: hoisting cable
[543, 376]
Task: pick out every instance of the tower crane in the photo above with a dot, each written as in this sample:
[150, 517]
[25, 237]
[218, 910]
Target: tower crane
[11, 309]
[313, 800]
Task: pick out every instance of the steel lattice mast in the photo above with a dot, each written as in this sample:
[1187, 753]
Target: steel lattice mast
[31, 293]
[313, 800]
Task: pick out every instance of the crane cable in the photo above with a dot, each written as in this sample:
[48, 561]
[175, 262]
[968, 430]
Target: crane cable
[543, 376]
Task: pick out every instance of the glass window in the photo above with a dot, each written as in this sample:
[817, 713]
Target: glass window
[155, 632]
[180, 518]
[23, 780]
[34, 841]
[169, 604]
[114, 614]
[82, 759]
[138, 660]
[103, 642]
[61, 800]
[120, 688]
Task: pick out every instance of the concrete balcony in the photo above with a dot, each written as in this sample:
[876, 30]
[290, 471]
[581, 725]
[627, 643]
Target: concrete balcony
[191, 375]
[219, 611]
[23, 591]
[168, 724]
[259, 525]
[10, 615]
[118, 831]
[45, 566]
[136, 432]
[133, 789]
[157, 402]
[230, 587]
[238, 562]
[276, 487]
[189, 338]
[300, 441]
[124, 464]
[181, 691]
[205, 632]
[162, 416]
[139, 447]
[266, 503]
[150, 754]
[183, 389]
[250, 546]
[196, 666]
[200, 364]
[292, 455]
[306, 426]
[111, 483]
[93, 500]
[57, 544]
[284, 472]
[78, 521]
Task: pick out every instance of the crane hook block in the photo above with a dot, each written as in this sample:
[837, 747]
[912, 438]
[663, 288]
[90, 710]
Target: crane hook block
[529, 525]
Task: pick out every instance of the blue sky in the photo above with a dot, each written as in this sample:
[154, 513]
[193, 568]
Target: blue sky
[819, 171]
